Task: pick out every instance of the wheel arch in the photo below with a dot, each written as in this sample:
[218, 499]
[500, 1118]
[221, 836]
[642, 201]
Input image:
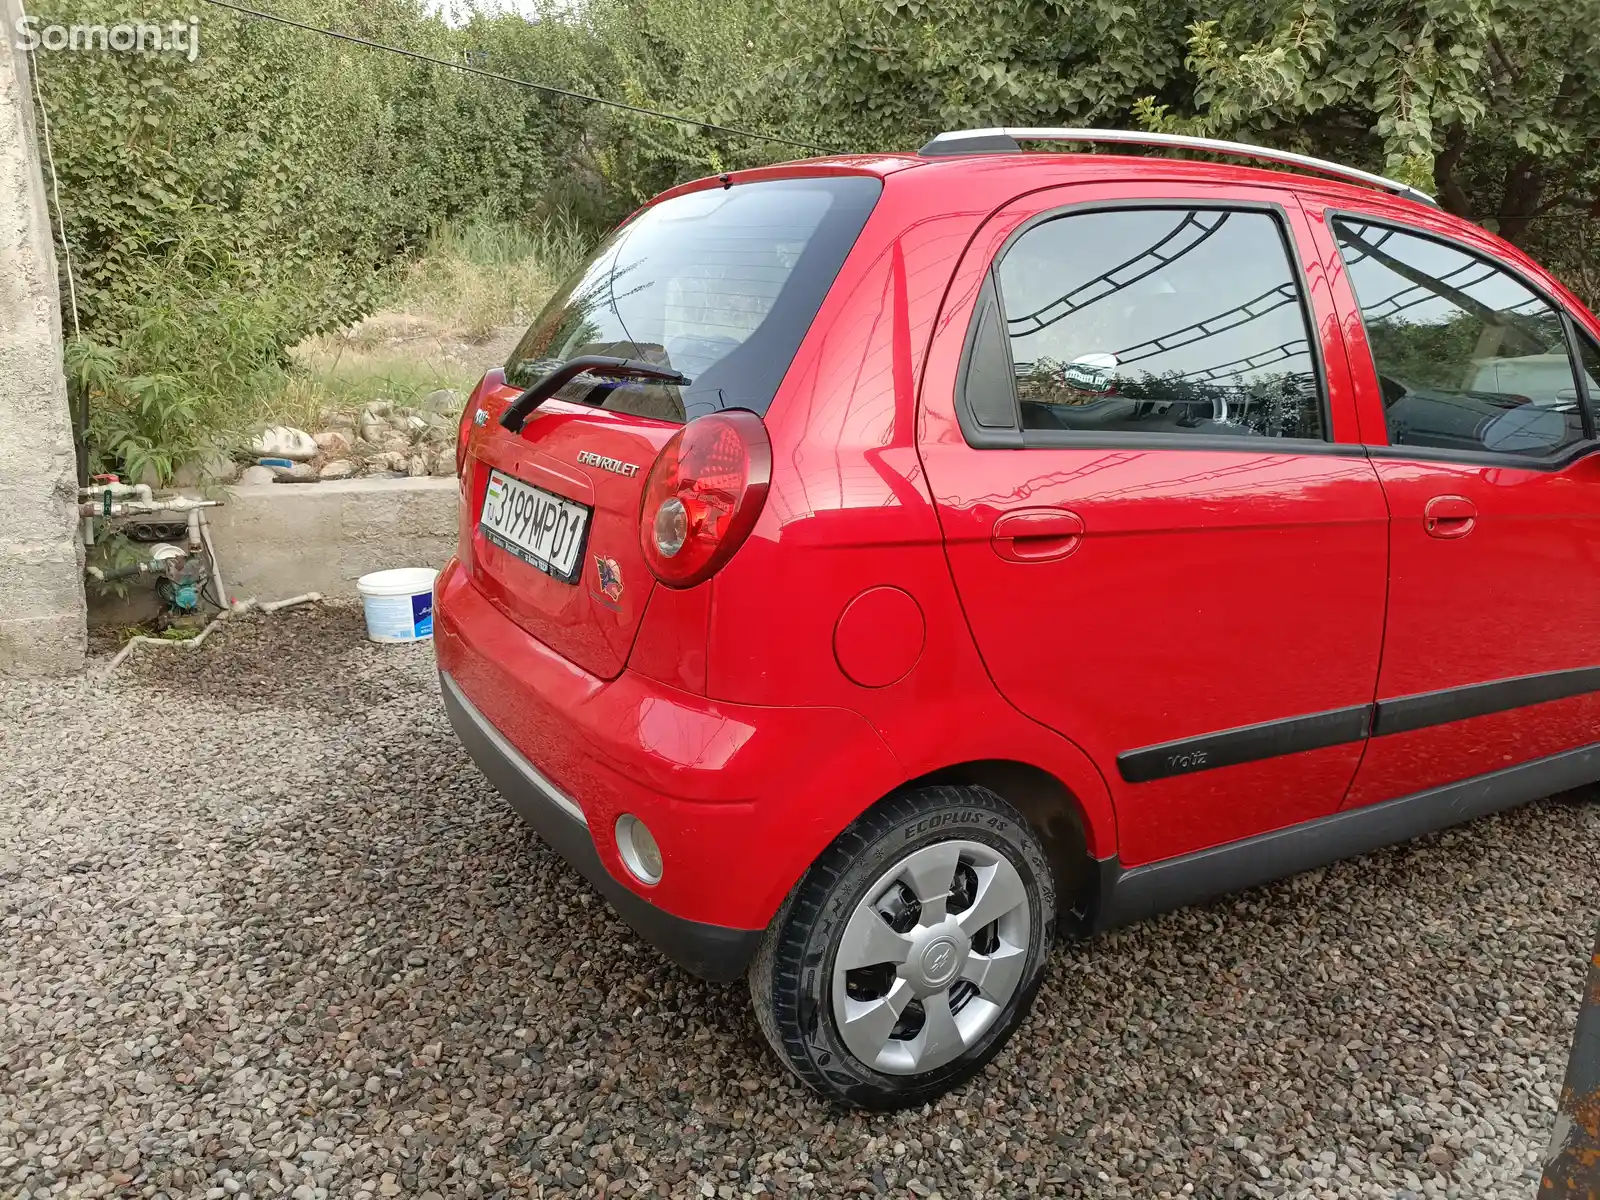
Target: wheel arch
[1045, 776]
[1056, 815]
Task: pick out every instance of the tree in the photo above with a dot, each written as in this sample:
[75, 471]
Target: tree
[1492, 104]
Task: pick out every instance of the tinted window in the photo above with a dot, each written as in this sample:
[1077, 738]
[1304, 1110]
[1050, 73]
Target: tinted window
[1160, 321]
[719, 285]
[1467, 357]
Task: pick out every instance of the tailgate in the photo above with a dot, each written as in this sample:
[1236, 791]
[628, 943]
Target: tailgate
[715, 287]
[596, 461]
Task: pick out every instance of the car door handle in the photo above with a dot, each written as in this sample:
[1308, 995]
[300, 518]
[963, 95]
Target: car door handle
[1449, 516]
[1036, 534]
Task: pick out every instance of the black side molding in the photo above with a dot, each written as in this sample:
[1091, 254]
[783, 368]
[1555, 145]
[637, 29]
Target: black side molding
[1131, 895]
[1405, 713]
[1293, 735]
[1247, 743]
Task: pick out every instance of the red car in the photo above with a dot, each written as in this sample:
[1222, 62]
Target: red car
[871, 565]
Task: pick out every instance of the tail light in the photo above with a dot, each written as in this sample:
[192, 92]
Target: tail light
[493, 379]
[703, 495]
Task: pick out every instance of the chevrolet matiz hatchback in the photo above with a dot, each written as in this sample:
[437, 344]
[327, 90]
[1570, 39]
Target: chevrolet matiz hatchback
[871, 566]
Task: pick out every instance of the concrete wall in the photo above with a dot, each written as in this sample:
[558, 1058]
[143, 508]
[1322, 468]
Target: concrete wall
[41, 560]
[277, 540]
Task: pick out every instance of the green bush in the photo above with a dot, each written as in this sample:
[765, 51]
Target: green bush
[1494, 105]
[188, 364]
[286, 184]
[221, 211]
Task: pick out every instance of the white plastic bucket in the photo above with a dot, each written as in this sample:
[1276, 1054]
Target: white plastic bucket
[399, 604]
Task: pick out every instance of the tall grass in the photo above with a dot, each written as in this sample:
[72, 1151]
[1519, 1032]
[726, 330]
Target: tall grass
[473, 283]
[197, 371]
[480, 276]
[346, 384]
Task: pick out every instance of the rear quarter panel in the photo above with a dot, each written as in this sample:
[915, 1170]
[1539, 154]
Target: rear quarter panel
[849, 510]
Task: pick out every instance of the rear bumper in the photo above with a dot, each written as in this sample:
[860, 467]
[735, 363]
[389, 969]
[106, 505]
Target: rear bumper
[709, 951]
[740, 798]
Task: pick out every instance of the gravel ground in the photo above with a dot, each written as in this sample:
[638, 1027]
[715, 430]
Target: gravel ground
[265, 931]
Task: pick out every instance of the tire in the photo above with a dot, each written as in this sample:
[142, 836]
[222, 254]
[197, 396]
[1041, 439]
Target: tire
[875, 892]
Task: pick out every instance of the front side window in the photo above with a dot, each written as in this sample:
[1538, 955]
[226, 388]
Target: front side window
[1467, 357]
[1170, 320]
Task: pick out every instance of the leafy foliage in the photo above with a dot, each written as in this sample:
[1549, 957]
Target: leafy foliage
[1493, 104]
[222, 210]
[887, 74]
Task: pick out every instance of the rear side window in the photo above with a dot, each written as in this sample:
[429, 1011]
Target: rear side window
[1467, 356]
[1170, 320]
[719, 285]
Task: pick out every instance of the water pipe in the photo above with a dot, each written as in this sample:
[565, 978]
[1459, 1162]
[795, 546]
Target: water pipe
[160, 555]
[141, 491]
[180, 504]
[243, 606]
[216, 563]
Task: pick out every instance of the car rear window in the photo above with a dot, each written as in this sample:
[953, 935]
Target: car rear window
[719, 285]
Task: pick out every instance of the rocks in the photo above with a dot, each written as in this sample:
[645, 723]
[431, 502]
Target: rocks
[472, 1018]
[388, 427]
[339, 468]
[333, 442]
[283, 441]
[426, 426]
[384, 436]
[208, 470]
[434, 429]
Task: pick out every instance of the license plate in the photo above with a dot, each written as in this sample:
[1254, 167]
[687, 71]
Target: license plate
[539, 527]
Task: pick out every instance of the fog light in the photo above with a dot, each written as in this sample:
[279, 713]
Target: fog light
[638, 848]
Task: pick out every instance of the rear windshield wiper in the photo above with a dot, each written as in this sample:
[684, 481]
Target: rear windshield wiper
[588, 364]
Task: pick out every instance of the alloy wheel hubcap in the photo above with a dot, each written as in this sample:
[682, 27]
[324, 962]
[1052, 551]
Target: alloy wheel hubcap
[930, 957]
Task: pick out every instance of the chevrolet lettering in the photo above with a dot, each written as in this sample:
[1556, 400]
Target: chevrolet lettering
[614, 465]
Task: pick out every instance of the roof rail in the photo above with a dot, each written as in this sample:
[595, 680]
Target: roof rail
[1007, 141]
